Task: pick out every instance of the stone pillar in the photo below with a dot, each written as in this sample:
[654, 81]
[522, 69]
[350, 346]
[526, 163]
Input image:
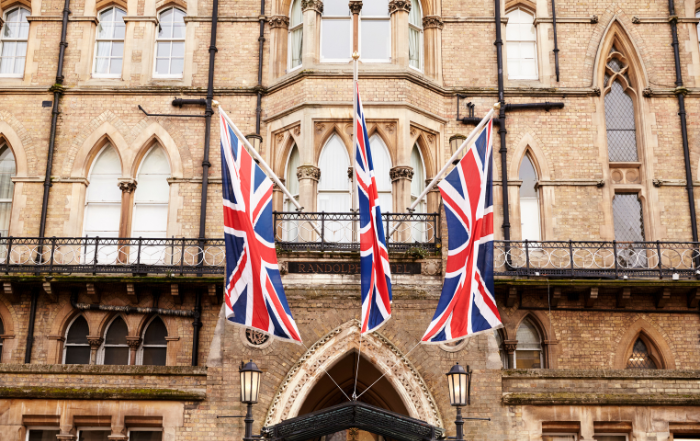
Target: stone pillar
[95, 343]
[278, 197]
[279, 25]
[65, 435]
[312, 10]
[432, 46]
[401, 177]
[134, 343]
[128, 187]
[308, 176]
[399, 10]
[355, 8]
[510, 346]
[433, 198]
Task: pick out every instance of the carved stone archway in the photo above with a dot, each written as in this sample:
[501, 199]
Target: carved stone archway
[331, 348]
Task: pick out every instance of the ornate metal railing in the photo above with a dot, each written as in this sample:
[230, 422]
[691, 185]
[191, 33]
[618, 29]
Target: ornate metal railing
[340, 231]
[597, 259]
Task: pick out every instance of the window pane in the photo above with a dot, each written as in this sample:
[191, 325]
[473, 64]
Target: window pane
[178, 50]
[627, 215]
[154, 356]
[620, 125]
[527, 360]
[414, 48]
[145, 435]
[94, 435]
[178, 65]
[165, 30]
[334, 165]
[528, 337]
[375, 8]
[119, 30]
[77, 355]
[150, 221]
[115, 67]
[8, 49]
[117, 49]
[163, 50]
[116, 356]
[640, 359]
[336, 7]
[296, 16]
[104, 29]
[376, 39]
[156, 333]
[296, 44]
[7, 65]
[162, 66]
[78, 331]
[42, 435]
[335, 39]
[102, 218]
[116, 334]
[178, 30]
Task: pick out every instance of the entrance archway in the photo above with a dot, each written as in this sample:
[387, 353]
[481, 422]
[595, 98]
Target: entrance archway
[307, 388]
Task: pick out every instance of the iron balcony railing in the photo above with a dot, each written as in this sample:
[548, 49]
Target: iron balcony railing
[340, 231]
[616, 260]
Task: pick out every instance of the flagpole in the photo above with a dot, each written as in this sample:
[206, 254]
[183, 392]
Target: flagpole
[353, 192]
[449, 162]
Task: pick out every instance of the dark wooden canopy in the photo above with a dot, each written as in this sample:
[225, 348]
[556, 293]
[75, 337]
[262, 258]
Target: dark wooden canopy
[353, 414]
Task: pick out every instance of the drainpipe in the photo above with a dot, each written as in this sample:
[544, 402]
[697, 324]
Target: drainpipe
[30, 328]
[261, 41]
[57, 92]
[680, 93]
[556, 46]
[196, 325]
[502, 126]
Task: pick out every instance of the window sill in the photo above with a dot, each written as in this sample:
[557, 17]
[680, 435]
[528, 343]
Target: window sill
[326, 68]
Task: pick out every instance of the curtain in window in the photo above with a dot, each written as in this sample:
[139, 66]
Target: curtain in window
[528, 354]
[115, 347]
[13, 42]
[415, 35]
[417, 187]
[77, 348]
[296, 22]
[521, 45]
[375, 31]
[334, 188]
[170, 45]
[382, 164]
[154, 347]
[110, 43]
[529, 202]
[336, 31]
[103, 199]
[7, 172]
[290, 230]
[152, 196]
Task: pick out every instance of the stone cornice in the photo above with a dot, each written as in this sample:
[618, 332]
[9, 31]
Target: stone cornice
[593, 19]
[82, 369]
[308, 172]
[504, 20]
[314, 5]
[101, 393]
[622, 399]
[401, 172]
[399, 6]
[433, 22]
[608, 374]
[136, 18]
[279, 21]
[87, 18]
[225, 18]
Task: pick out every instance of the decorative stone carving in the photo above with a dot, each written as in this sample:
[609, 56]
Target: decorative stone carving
[279, 21]
[430, 138]
[625, 175]
[433, 22]
[390, 127]
[95, 342]
[284, 267]
[636, 20]
[308, 172]
[350, 172]
[455, 346]
[127, 186]
[435, 188]
[401, 172]
[431, 267]
[657, 182]
[297, 130]
[320, 127]
[596, 90]
[276, 187]
[510, 345]
[133, 342]
[316, 5]
[647, 92]
[594, 19]
[355, 6]
[399, 5]
[256, 338]
[312, 366]
[280, 138]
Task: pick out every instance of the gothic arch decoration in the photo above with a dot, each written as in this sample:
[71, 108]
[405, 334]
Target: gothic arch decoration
[9, 137]
[154, 133]
[283, 140]
[324, 130]
[528, 144]
[424, 140]
[655, 340]
[104, 4]
[92, 146]
[21, 144]
[164, 4]
[331, 348]
[541, 321]
[525, 4]
[616, 32]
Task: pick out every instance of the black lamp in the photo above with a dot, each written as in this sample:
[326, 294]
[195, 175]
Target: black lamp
[459, 385]
[250, 388]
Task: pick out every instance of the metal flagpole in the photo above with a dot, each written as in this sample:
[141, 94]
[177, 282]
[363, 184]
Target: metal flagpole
[355, 200]
[474, 133]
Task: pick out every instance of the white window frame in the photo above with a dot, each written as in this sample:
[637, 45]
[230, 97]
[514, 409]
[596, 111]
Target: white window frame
[171, 40]
[144, 429]
[16, 40]
[538, 202]
[87, 202]
[51, 428]
[286, 199]
[135, 203]
[139, 353]
[12, 192]
[541, 350]
[65, 335]
[338, 17]
[101, 352]
[359, 37]
[112, 41]
[421, 45]
[79, 430]
[289, 39]
[537, 67]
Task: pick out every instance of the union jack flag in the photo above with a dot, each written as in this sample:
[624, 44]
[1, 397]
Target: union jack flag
[374, 258]
[467, 305]
[253, 293]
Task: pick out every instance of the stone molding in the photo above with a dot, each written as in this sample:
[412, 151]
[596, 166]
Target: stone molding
[311, 367]
[127, 186]
[95, 342]
[355, 6]
[315, 5]
[510, 345]
[433, 22]
[399, 5]
[279, 21]
[133, 342]
[308, 172]
[577, 399]
[401, 172]
[276, 187]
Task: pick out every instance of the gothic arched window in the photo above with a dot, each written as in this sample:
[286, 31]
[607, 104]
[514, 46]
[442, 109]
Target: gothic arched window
[150, 218]
[521, 45]
[103, 199]
[76, 350]
[528, 354]
[531, 228]
[382, 164]
[619, 110]
[291, 180]
[640, 358]
[115, 349]
[170, 44]
[296, 32]
[333, 186]
[109, 43]
[154, 347]
[14, 34]
[7, 187]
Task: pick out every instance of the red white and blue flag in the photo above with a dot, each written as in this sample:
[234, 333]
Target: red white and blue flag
[374, 258]
[253, 292]
[467, 304]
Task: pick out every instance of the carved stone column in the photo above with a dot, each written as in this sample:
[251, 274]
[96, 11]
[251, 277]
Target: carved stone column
[510, 346]
[355, 8]
[308, 176]
[279, 24]
[134, 343]
[399, 10]
[312, 10]
[432, 47]
[128, 187]
[401, 177]
[95, 343]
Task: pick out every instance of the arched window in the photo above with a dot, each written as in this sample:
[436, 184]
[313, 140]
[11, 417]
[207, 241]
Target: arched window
[382, 164]
[103, 199]
[170, 44]
[115, 350]
[7, 188]
[13, 42]
[291, 179]
[375, 31]
[620, 126]
[529, 201]
[296, 23]
[415, 36]
[501, 348]
[640, 358]
[154, 347]
[150, 219]
[528, 354]
[521, 45]
[418, 181]
[333, 187]
[77, 349]
[109, 45]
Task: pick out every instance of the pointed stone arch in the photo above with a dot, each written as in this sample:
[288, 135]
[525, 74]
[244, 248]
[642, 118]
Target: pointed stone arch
[14, 143]
[528, 144]
[152, 134]
[656, 341]
[331, 348]
[21, 144]
[618, 31]
[327, 134]
[92, 146]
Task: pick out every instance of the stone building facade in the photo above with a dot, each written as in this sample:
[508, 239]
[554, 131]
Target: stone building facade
[107, 336]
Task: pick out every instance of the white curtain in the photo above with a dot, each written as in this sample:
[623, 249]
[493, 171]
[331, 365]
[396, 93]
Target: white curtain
[418, 229]
[13, 41]
[521, 44]
[382, 164]
[529, 202]
[334, 188]
[415, 32]
[291, 230]
[296, 33]
[7, 171]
